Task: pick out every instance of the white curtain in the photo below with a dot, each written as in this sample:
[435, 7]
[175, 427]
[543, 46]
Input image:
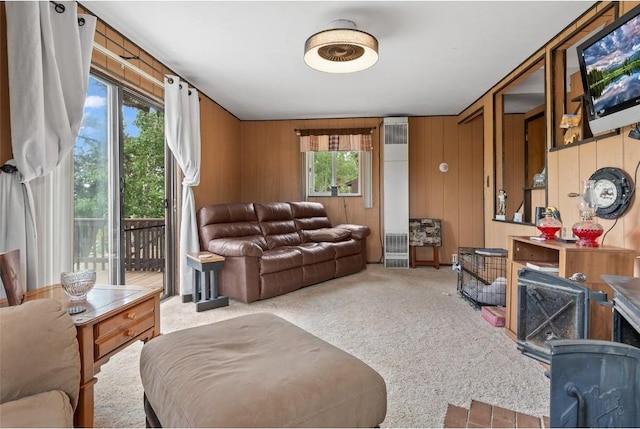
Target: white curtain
[49, 55]
[182, 131]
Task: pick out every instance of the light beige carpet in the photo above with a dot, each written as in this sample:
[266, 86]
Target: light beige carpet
[431, 347]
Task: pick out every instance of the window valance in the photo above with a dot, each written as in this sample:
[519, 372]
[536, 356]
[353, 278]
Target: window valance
[338, 139]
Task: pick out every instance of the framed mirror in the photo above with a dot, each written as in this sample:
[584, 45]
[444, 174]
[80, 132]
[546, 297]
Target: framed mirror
[520, 145]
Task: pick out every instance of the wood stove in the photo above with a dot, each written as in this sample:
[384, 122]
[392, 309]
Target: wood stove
[626, 308]
[550, 308]
[593, 383]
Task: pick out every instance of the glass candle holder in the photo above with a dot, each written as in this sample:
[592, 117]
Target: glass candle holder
[588, 229]
[548, 225]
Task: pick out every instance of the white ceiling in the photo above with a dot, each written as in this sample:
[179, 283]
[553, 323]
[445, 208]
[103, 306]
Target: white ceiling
[436, 57]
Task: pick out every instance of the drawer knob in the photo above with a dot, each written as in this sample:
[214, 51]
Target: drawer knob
[131, 316]
[131, 333]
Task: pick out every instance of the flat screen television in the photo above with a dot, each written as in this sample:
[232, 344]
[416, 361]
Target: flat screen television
[610, 68]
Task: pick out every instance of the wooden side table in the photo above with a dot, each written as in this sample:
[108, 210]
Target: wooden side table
[115, 317]
[206, 264]
[435, 262]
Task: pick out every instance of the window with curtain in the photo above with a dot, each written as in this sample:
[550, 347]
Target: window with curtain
[334, 160]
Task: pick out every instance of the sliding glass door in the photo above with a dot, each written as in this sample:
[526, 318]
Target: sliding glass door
[122, 225]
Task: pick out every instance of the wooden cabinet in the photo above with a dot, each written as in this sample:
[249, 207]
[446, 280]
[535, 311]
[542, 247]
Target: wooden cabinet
[590, 261]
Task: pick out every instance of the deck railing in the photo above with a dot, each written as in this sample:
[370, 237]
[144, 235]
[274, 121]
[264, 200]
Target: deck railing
[144, 244]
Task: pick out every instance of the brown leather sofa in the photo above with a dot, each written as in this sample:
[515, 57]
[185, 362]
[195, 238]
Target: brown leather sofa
[274, 248]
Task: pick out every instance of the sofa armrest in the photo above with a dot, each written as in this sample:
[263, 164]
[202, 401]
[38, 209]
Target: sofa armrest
[234, 247]
[357, 231]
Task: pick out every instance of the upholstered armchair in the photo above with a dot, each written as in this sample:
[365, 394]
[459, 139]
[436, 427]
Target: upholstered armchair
[39, 365]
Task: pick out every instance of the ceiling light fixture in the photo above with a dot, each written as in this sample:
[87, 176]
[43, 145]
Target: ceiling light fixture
[341, 49]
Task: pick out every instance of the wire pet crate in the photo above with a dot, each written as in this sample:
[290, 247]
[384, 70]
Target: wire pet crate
[482, 276]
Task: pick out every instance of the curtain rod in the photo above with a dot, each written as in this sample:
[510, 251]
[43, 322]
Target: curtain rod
[127, 64]
[334, 131]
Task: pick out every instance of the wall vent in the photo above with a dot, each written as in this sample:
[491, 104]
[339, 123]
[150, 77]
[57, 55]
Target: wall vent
[396, 192]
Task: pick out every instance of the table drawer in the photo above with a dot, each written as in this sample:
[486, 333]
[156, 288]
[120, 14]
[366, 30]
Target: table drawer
[122, 328]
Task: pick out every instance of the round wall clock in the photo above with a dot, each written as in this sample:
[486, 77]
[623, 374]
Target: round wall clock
[613, 190]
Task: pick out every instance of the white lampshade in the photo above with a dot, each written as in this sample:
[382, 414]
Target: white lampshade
[341, 50]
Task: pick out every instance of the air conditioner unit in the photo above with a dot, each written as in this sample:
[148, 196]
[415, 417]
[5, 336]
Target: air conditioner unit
[395, 170]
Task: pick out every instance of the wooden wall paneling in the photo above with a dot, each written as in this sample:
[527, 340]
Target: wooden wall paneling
[436, 178]
[450, 209]
[145, 65]
[6, 152]
[131, 50]
[609, 153]
[97, 58]
[553, 176]
[477, 208]
[220, 157]
[465, 189]
[630, 228]
[115, 43]
[568, 182]
[418, 173]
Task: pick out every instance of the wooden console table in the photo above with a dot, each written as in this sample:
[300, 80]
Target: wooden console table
[115, 317]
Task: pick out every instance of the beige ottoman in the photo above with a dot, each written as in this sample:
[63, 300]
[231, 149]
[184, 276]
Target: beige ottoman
[257, 371]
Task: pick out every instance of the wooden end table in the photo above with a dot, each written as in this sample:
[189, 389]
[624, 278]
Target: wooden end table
[115, 317]
[206, 264]
[435, 262]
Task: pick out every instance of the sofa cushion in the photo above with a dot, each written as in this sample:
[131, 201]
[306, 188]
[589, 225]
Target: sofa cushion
[313, 253]
[276, 222]
[347, 247]
[52, 334]
[280, 259]
[50, 409]
[310, 210]
[328, 235]
[244, 246]
[357, 231]
[228, 220]
[309, 216]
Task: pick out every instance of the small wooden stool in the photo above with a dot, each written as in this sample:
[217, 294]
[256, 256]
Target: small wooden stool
[435, 262]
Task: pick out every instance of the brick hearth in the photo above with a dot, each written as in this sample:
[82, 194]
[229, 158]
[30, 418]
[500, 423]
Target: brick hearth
[482, 415]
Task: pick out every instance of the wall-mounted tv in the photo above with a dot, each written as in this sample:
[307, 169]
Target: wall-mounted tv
[610, 68]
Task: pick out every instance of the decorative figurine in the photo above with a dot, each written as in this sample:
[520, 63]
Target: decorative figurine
[502, 202]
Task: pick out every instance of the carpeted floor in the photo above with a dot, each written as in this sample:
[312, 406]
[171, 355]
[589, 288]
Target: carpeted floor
[431, 347]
